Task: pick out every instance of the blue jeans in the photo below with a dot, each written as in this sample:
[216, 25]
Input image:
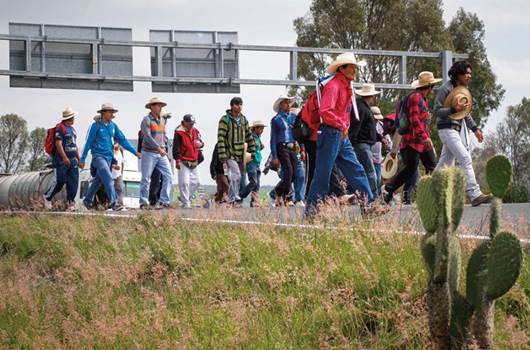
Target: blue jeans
[377, 167]
[150, 161]
[331, 149]
[103, 177]
[64, 175]
[254, 175]
[299, 181]
[363, 151]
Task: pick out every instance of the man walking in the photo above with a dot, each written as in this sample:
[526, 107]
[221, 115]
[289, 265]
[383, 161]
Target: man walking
[154, 154]
[253, 167]
[232, 134]
[186, 146]
[333, 145]
[100, 142]
[449, 123]
[65, 161]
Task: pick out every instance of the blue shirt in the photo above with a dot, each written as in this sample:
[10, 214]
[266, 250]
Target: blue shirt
[281, 130]
[100, 141]
[68, 137]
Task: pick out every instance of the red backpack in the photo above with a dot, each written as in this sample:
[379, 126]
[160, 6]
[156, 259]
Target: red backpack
[49, 142]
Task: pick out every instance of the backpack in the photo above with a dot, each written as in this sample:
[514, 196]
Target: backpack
[402, 122]
[49, 142]
[309, 118]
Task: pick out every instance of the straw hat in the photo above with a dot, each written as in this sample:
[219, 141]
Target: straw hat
[257, 124]
[107, 107]
[457, 94]
[342, 59]
[390, 167]
[247, 156]
[153, 101]
[377, 113]
[425, 79]
[68, 113]
[367, 90]
[276, 105]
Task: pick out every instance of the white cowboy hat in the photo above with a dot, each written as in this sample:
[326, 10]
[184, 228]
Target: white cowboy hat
[153, 101]
[342, 59]
[377, 113]
[107, 107]
[68, 113]
[425, 79]
[457, 94]
[257, 124]
[390, 167]
[367, 90]
[276, 105]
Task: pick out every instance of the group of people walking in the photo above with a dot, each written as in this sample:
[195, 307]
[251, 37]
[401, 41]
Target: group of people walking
[340, 152]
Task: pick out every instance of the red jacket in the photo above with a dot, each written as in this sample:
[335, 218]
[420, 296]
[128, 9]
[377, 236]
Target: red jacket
[419, 118]
[336, 103]
[185, 144]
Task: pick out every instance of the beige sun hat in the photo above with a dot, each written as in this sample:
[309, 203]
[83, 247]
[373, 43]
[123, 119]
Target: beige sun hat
[424, 79]
[107, 107]
[342, 59]
[377, 113]
[367, 90]
[153, 101]
[390, 167]
[457, 94]
[276, 105]
[247, 157]
[257, 124]
[68, 113]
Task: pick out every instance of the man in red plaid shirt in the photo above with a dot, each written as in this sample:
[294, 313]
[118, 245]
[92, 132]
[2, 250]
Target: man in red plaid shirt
[416, 143]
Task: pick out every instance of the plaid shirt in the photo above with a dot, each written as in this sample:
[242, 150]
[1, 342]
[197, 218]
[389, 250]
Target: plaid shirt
[419, 119]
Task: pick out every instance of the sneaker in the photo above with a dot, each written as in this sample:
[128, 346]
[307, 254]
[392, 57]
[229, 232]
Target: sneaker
[87, 205]
[160, 206]
[482, 199]
[47, 204]
[300, 204]
[117, 207]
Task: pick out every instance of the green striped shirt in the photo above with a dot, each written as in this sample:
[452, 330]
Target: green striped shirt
[232, 134]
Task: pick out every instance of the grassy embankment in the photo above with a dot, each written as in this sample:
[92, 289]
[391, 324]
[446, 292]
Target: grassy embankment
[157, 282]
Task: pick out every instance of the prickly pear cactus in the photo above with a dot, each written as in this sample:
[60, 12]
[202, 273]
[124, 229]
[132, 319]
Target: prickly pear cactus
[498, 175]
[504, 264]
[427, 205]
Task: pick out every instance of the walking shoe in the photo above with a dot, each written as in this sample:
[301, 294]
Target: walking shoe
[47, 204]
[300, 204]
[272, 198]
[482, 199]
[87, 205]
[117, 207]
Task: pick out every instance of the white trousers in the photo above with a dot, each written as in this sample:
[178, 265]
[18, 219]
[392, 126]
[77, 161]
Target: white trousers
[188, 183]
[454, 149]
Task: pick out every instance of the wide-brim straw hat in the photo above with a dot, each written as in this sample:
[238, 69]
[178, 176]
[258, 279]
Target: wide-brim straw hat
[68, 113]
[457, 94]
[276, 105]
[107, 107]
[367, 90]
[247, 157]
[425, 79]
[257, 124]
[155, 100]
[390, 167]
[377, 113]
[342, 59]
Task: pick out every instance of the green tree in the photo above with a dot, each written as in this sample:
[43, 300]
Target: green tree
[14, 141]
[37, 158]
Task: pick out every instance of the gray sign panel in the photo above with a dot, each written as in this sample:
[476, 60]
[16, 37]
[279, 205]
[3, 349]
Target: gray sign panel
[194, 62]
[88, 58]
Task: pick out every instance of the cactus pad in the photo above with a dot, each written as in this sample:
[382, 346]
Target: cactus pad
[428, 251]
[461, 314]
[477, 273]
[458, 197]
[498, 175]
[504, 264]
[454, 263]
[442, 181]
[427, 205]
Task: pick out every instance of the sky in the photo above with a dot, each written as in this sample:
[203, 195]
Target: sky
[261, 23]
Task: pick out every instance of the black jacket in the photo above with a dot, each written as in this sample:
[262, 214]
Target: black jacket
[362, 130]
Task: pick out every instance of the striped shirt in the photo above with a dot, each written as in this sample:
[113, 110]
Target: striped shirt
[154, 133]
[232, 133]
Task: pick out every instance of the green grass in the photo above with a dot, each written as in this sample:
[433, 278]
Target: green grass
[157, 282]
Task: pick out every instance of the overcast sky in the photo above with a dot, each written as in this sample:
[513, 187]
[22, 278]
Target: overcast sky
[265, 23]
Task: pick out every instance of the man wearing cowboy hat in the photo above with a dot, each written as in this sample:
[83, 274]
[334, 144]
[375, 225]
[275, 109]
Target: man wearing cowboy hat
[187, 144]
[362, 132]
[233, 133]
[100, 142]
[333, 143]
[154, 153]
[283, 147]
[65, 161]
[449, 111]
[416, 143]
[253, 167]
